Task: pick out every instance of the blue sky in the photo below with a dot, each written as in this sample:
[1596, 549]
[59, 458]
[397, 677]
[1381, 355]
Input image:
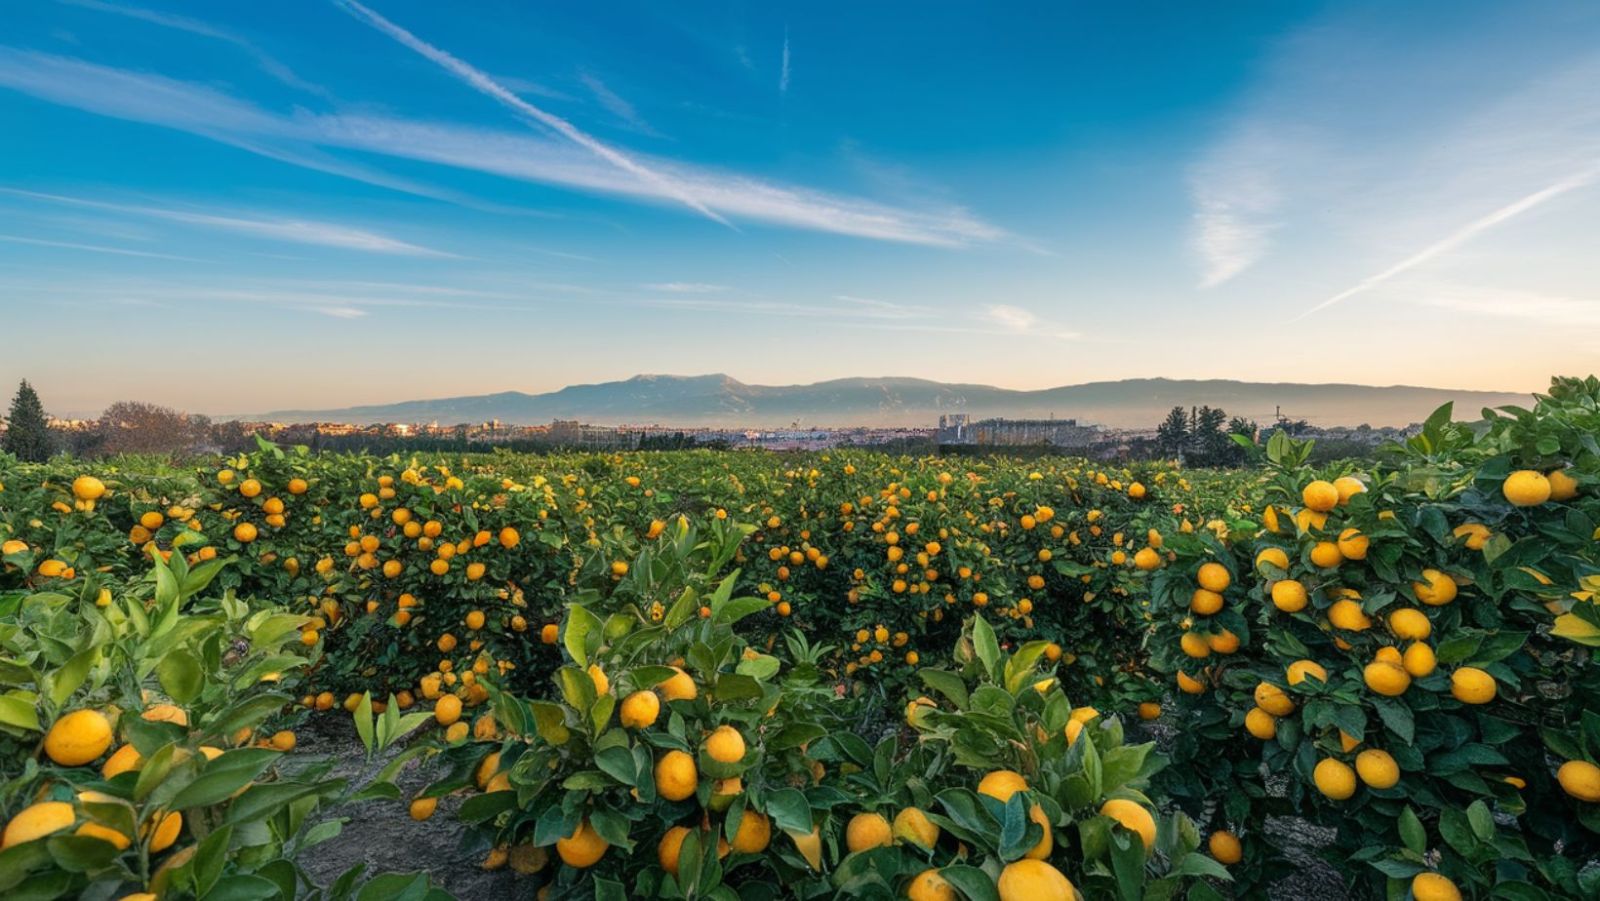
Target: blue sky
[236, 207]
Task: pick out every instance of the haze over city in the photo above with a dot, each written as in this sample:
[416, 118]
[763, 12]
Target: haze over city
[232, 208]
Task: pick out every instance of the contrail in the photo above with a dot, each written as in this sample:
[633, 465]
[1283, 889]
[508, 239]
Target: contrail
[486, 85]
[783, 77]
[1462, 235]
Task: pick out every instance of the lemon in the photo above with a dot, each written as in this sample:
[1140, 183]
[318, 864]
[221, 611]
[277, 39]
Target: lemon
[1261, 724]
[1132, 816]
[676, 776]
[1273, 699]
[78, 738]
[37, 821]
[1213, 576]
[1289, 595]
[583, 848]
[1436, 588]
[640, 710]
[1334, 779]
[1526, 488]
[1580, 779]
[725, 745]
[1300, 670]
[928, 885]
[1434, 887]
[1225, 847]
[867, 830]
[913, 826]
[1034, 880]
[1471, 685]
[754, 833]
[1320, 496]
[1377, 769]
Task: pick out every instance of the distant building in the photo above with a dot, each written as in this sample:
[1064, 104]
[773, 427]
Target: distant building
[959, 428]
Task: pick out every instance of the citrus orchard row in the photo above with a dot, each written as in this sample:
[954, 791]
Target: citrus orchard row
[1401, 652]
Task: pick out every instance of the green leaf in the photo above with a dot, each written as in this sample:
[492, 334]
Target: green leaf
[946, 683]
[1412, 832]
[985, 644]
[973, 883]
[72, 674]
[22, 714]
[738, 609]
[181, 676]
[224, 776]
[1481, 821]
[363, 720]
[583, 630]
[789, 809]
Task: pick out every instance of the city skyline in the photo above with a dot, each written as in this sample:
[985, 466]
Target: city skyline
[241, 209]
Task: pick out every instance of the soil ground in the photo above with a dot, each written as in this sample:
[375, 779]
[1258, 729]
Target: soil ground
[383, 836]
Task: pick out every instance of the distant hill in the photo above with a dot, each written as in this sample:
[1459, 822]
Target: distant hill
[719, 400]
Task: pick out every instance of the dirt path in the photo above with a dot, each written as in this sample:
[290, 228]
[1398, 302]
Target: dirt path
[383, 835]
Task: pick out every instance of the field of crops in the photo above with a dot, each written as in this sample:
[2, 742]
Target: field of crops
[748, 675]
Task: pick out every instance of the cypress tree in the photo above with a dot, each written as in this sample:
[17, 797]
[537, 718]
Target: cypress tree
[28, 434]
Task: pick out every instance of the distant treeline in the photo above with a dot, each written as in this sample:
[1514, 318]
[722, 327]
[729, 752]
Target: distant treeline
[1199, 436]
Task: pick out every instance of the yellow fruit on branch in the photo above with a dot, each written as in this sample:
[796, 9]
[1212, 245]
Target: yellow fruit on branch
[1289, 595]
[754, 833]
[37, 821]
[1471, 685]
[867, 830]
[913, 826]
[1377, 769]
[1002, 784]
[640, 710]
[677, 777]
[1385, 678]
[1133, 816]
[583, 848]
[669, 848]
[78, 738]
[1225, 847]
[1434, 887]
[1435, 588]
[678, 687]
[928, 885]
[1526, 488]
[1261, 724]
[1033, 880]
[1213, 576]
[1273, 699]
[1580, 779]
[725, 745]
[1334, 779]
[1300, 670]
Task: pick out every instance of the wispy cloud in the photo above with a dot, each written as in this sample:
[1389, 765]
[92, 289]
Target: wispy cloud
[296, 231]
[95, 248]
[783, 73]
[294, 139]
[1235, 196]
[481, 82]
[686, 287]
[265, 61]
[1554, 312]
[616, 104]
[1465, 233]
[1011, 318]
[1340, 152]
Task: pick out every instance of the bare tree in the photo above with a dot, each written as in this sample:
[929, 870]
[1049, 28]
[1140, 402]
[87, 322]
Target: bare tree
[135, 427]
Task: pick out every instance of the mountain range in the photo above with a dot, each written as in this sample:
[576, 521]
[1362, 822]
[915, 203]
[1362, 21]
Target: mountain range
[722, 401]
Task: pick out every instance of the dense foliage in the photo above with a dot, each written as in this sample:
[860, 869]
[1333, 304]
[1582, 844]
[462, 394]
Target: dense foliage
[1404, 653]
